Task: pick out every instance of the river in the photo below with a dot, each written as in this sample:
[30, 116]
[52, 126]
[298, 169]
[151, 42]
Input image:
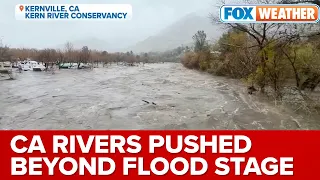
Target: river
[154, 96]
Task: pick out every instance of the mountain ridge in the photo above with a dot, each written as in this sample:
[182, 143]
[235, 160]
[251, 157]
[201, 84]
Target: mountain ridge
[172, 36]
[178, 33]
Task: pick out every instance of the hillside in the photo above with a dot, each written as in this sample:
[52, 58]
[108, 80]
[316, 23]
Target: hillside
[178, 33]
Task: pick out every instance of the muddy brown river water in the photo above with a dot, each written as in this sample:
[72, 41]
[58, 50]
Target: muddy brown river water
[156, 96]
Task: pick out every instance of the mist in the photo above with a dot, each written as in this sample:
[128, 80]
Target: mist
[149, 18]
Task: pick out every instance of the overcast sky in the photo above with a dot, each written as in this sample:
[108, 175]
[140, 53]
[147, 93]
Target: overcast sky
[149, 17]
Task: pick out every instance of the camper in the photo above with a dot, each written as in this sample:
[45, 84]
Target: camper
[5, 67]
[32, 66]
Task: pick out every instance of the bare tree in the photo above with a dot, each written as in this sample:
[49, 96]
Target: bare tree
[5, 54]
[48, 56]
[200, 41]
[84, 55]
[145, 58]
[69, 51]
[262, 34]
[60, 57]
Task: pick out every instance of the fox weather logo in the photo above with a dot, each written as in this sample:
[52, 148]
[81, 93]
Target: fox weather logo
[280, 13]
[237, 13]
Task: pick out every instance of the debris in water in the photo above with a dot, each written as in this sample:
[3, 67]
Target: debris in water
[251, 89]
[149, 102]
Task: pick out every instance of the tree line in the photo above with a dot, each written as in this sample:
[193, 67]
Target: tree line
[69, 54]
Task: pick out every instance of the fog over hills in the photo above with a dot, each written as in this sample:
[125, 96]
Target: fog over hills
[170, 37]
[179, 33]
[150, 20]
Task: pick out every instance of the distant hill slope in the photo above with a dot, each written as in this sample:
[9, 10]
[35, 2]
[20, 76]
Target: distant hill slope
[179, 33]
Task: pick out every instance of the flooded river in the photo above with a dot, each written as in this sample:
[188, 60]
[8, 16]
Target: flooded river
[156, 96]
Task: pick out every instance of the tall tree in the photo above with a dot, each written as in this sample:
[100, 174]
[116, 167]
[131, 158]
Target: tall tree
[200, 41]
[84, 55]
[4, 54]
[262, 34]
[69, 51]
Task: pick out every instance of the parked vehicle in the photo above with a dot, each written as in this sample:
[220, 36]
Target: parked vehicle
[66, 65]
[5, 67]
[32, 66]
[74, 66]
